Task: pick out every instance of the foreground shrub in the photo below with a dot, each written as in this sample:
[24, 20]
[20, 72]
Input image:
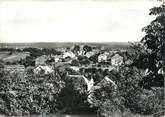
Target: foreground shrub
[26, 94]
[129, 96]
[73, 98]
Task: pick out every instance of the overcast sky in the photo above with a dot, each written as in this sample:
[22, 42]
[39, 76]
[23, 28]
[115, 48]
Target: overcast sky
[74, 21]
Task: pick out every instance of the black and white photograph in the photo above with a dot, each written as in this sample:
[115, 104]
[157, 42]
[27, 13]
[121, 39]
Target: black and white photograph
[82, 58]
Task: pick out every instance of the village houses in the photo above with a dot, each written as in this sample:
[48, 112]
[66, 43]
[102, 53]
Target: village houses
[103, 57]
[41, 60]
[91, 53]
[57, 58]
[117, 60]
[69, 54]
[43, 69]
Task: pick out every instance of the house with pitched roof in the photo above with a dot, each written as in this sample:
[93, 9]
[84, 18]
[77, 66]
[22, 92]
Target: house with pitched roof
[41, 60]
[117, 60]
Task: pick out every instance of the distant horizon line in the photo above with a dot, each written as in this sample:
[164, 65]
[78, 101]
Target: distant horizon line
[74, 42]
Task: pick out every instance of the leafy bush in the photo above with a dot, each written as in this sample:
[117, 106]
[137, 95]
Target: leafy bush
[129, 96]
[27, 94]
[72, 98]
[75, 63]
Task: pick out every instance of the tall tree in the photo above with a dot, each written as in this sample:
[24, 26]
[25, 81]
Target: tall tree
[76, 49]
[153, 44]
[154, 40]
[87, 48]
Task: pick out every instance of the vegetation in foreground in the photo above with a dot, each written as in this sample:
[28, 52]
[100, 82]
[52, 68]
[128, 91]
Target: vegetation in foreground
[26, 93]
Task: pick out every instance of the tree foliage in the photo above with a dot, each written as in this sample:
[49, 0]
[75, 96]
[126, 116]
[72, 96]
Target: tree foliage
[22, 94]
[149, 53]
[87, 48]
[76, 49]
[154, 40]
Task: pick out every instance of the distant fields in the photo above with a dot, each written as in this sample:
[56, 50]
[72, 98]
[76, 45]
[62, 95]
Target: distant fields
[16, 56]
[4, 54]
[109, 45]
[6, 57]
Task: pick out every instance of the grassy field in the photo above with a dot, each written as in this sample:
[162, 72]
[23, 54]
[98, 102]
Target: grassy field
[13, 57]
[4, 55]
